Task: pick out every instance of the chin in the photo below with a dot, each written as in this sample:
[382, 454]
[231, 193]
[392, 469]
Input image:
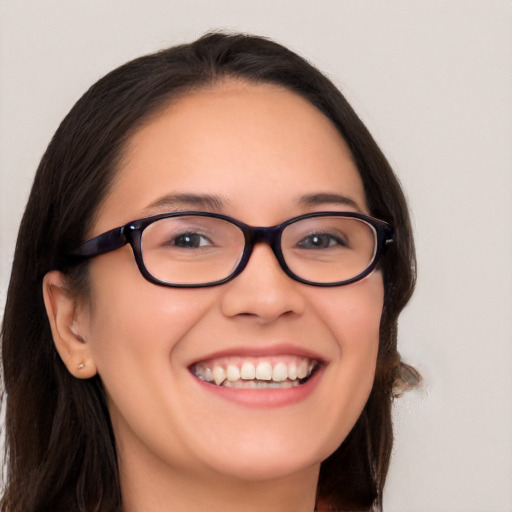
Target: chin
[263, 461]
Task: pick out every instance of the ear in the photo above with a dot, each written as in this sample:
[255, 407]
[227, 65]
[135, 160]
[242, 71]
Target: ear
[69, 322]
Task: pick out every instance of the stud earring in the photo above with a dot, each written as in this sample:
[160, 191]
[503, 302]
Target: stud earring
[81, 366]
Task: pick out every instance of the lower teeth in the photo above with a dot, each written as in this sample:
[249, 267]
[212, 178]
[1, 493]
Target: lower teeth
[260, 384]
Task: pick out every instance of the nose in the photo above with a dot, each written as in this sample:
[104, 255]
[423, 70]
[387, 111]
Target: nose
[262, 291]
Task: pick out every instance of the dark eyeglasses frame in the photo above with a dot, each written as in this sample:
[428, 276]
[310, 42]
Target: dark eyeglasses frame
[131, 233]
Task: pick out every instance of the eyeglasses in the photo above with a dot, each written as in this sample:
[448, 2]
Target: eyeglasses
[190, 249]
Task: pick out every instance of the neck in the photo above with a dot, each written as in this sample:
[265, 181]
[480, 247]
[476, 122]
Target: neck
[180, 491]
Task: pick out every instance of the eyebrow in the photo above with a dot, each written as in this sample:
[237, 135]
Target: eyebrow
[324, 198]
[214, 203]
[171, 202]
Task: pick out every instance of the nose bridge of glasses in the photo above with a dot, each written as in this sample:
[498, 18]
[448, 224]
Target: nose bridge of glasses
[266, 235]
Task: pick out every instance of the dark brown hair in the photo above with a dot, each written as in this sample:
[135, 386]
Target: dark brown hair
[60, 448]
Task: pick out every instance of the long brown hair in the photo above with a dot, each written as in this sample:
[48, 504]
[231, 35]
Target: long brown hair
[60, 447]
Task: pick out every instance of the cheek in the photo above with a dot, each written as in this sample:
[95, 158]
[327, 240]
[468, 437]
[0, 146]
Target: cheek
[124, 303]
[353, 316]
[136, 330]
[136, 325]
[353, 313]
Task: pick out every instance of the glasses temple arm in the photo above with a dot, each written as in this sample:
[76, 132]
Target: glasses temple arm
[109, 241]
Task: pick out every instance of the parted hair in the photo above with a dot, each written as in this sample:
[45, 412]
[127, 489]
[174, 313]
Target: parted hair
[60, 448]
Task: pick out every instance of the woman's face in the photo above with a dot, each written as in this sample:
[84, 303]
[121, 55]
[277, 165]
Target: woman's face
[261, 154]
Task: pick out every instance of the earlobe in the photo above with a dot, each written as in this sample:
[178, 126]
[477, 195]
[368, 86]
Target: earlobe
[69, 325]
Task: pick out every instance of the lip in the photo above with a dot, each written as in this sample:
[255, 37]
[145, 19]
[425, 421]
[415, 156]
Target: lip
[266, 397]
[267, 351]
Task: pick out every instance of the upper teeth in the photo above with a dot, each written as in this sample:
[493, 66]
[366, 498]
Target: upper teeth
[234, 370]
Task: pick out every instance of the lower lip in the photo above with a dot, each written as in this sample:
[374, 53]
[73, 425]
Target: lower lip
[266, 397]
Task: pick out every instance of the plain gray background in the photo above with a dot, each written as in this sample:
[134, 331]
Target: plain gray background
[433, 82]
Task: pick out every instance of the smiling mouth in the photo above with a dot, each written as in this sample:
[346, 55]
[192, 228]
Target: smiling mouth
[256, 373]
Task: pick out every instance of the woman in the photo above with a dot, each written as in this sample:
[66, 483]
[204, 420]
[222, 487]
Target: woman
[161, 350]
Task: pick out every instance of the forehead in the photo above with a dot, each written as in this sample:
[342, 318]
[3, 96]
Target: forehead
[257, 144]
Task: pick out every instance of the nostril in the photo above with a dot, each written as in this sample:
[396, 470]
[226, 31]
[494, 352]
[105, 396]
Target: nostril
[263, 291]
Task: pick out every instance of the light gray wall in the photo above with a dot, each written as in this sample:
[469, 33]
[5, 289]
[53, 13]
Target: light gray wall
[433, 81]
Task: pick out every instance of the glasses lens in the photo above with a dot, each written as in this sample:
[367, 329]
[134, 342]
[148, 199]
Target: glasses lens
[191, 249]
[329, 249]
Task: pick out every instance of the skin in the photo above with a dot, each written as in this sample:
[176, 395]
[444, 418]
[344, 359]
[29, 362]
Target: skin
[259, 148]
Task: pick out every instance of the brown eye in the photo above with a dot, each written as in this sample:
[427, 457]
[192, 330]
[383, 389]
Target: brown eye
[321, 241]
[190, 241]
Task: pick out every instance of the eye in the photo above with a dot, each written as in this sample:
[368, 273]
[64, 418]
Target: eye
[190, 241]
[321, 241]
